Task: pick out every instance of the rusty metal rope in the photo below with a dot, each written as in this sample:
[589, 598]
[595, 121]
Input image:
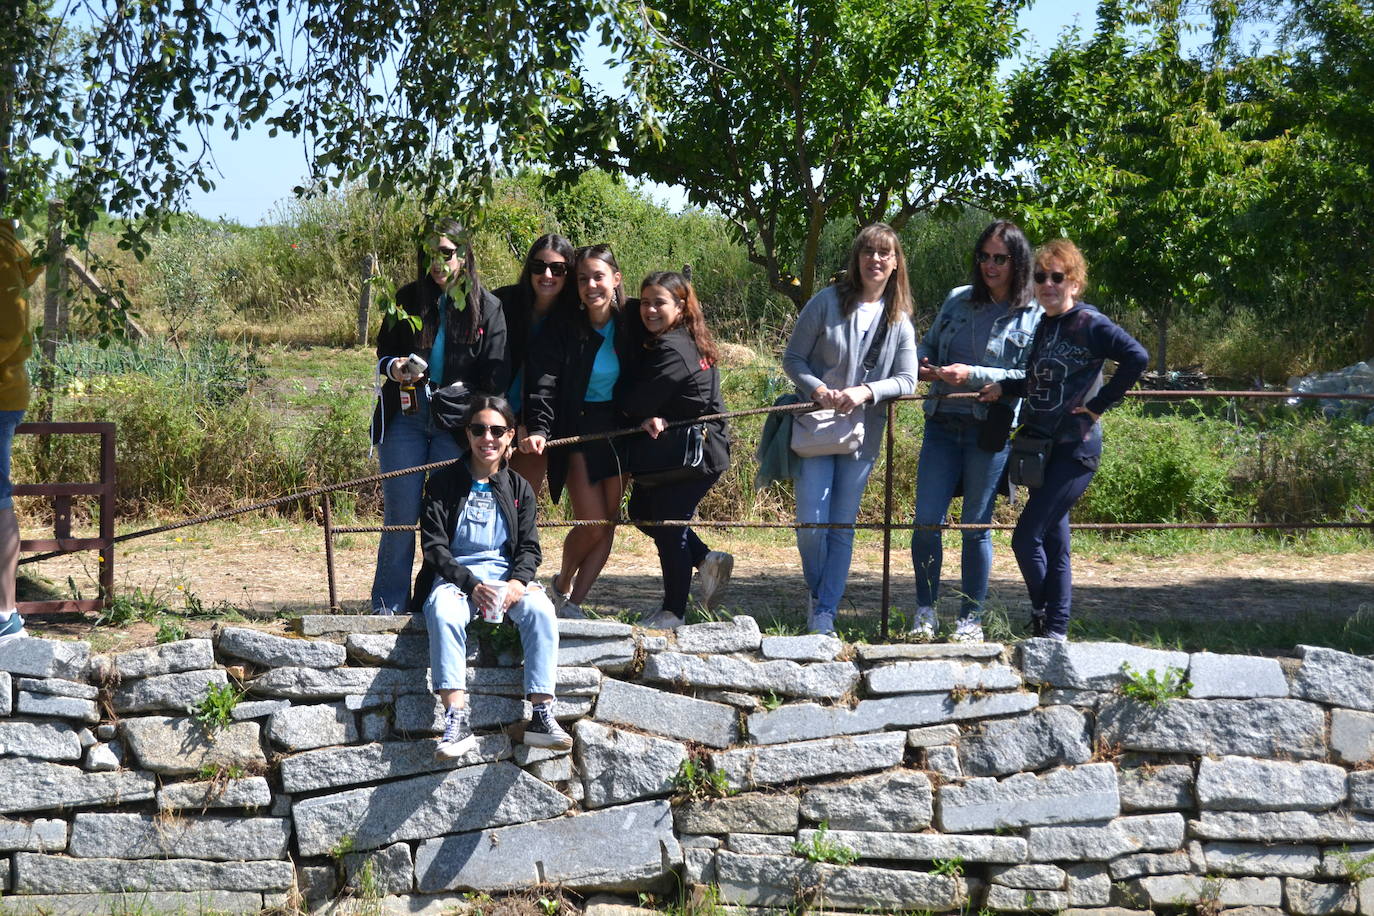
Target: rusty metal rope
[728, 415]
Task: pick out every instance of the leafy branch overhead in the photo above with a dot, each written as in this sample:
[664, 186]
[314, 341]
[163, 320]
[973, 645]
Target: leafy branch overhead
[114, 103]
[787, 116]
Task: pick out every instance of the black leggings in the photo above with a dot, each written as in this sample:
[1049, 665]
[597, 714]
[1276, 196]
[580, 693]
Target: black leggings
[679, 549]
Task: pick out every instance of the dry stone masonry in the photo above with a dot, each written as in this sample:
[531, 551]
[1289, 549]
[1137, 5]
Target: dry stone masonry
[776, 771]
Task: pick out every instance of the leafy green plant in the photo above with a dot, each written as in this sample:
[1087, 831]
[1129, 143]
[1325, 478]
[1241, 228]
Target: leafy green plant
[696, 780]
[1355, 868]
[821, 848]
[771, 702]
[171, 630]
[216, 710]
[216, 772]
[949, 868]
[342, 847]
[1152, 689]
[131, 607]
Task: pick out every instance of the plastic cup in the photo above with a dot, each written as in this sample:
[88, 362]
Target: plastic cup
[496, 612]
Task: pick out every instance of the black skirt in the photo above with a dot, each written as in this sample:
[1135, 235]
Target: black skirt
[604, 457]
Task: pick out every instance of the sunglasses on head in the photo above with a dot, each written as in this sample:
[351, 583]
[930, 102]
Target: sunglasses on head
[479, 430]
[1055, 277]
[983, 257]
[447, 253]
[557, 268]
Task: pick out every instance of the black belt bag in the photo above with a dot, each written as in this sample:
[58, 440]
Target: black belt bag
[1030, 453]
[678, 454]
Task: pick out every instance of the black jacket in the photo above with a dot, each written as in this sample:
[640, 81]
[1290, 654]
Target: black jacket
[483, 366]
[667, 377]
[446, 493]
[560, 366]
[517, 305]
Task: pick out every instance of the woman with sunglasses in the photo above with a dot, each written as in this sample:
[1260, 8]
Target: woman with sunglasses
[456, 326]
[481, 550]
[1064, 397]
[853, 347]
[574, 368]
[670, 374]
[542, 288]
[980, 336]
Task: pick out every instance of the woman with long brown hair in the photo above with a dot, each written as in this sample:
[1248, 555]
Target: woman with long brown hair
[853, 347]
[670, 374]
[456, 327]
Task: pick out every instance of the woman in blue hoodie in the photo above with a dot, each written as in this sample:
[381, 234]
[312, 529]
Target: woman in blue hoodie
[1064, 397]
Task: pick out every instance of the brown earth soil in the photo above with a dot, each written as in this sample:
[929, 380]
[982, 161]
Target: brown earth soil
[268, 571]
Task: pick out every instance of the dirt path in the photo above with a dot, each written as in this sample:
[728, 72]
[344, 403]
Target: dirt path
[270, 570]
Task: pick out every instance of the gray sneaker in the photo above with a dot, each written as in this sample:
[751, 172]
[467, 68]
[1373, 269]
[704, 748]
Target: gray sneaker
[713, 575]
[543, 729]
[662, 620]
[569, 611]
[458, 738]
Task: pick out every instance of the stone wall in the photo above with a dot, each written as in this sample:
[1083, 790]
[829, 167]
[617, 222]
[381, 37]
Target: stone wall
[954, 776]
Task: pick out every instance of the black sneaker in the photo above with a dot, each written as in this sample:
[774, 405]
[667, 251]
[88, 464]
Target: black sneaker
[458, 738]
[544, 731]
[1037, 623]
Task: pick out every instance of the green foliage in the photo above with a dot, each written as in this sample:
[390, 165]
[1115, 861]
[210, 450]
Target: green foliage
[1158, 468]
[1152, 689]
[1356, 868]
[786, 118]
[171, 630]
[215, 711]
[342, 847]
[696, 780]
[217, 772]
[949, 868]
[771, 702]
[131, 607]
[821, 848]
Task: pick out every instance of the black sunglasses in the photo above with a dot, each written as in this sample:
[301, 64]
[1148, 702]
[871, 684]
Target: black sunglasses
[983, 257]
[557, 268]
[479, 430]
[1055, 277]
[447, 253]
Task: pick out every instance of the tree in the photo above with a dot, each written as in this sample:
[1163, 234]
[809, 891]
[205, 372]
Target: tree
[784, 116]
[111, 100]
[1149, 157]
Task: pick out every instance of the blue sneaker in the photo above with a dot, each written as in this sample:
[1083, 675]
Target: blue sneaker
[823, 623]
[12, 628]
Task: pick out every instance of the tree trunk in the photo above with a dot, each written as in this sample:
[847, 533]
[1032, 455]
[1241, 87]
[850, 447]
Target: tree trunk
[1162, 342]
[365, 297]
[54, 289]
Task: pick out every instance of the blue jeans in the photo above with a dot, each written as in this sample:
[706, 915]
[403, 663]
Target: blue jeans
[410, 441]
[9, 419]
[1041, 538]
[447, 612]
[829, 488]
[950, 454]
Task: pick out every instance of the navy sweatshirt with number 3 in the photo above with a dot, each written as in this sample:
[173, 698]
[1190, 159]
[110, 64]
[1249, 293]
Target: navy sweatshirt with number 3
[1064, 371]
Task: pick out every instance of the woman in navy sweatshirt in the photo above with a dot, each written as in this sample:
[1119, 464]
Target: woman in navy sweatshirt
[1064, 396]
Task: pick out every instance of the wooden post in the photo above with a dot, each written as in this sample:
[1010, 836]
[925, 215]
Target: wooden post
[365, 297]
[54, 290]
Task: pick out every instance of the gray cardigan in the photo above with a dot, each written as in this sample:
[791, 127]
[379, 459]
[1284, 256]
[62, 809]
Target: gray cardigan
[824, 349]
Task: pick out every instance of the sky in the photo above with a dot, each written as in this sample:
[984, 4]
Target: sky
[257, 172]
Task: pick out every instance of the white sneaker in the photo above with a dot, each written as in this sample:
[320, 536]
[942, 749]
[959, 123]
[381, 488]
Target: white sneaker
[662, 620]
[924, 627]
[968, 629]
[713, 575]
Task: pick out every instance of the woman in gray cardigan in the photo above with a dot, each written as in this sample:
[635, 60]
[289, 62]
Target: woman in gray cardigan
[853, 346]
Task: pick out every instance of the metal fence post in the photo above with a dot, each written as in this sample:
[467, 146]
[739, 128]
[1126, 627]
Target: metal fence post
[328, 517]
[887, 516]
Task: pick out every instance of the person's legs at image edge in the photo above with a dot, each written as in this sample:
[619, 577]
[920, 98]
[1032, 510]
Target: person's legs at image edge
[11, 622]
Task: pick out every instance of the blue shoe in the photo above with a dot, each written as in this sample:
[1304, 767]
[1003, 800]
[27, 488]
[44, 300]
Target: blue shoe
[823, 623]
[12, 628]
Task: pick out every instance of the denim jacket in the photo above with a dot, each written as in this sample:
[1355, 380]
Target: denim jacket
[1007, 348]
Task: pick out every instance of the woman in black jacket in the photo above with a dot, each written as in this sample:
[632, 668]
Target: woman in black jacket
[544, 286]
[575, 365]
[671, 375]
[481, 550]
[457, 328]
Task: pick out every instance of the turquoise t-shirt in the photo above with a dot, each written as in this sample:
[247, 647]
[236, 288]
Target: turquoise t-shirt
[605, 368]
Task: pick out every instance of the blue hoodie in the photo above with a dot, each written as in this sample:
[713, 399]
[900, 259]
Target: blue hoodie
[1064, 371]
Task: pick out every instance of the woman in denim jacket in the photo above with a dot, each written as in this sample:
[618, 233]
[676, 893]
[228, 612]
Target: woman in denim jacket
[853, 347]
[981, 335]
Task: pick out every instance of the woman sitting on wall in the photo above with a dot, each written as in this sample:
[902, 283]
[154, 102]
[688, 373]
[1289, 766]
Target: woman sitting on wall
[481, 550]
